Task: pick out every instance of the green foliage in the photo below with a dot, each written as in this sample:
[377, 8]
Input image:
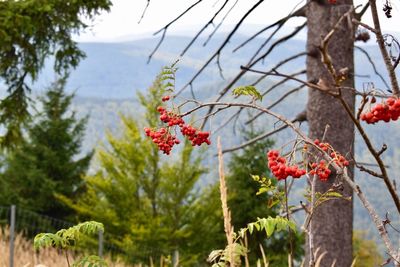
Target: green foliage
[90, 261]
[148, 205]
[222, 258]
[46, 163]
[267, 186]
[365, 251]
[247, 90]
[330, 194]
[30, 32]
[233, 253]
[66, 239]
[269, 225]
[250, 197]
[167, 77]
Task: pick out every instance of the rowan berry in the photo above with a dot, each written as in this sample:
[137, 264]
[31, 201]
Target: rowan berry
[280, 169]
[385, 111]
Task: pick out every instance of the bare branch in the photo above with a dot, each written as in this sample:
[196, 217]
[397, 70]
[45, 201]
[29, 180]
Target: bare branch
[203, 28]
[222, 46]
[384, 53]
[283, 97]
[279, 65]
[299, 118]
[366, 26]
[359, 15]
[371, 172]
[374, 153]
[220, 23]
[221, 74]
[298, 13]
[364, 101]
[165, 28]
[144, 11]
[236, 115]
[339, 170]
[373, 65]
[252, 63]
[276, 73]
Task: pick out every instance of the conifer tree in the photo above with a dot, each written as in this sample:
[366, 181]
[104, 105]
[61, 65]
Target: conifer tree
[47, 163]
[147, 205]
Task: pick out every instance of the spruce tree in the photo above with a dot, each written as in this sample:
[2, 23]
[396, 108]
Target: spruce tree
[48, 162]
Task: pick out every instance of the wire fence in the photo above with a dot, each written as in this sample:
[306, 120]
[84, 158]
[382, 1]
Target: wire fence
[30, 223]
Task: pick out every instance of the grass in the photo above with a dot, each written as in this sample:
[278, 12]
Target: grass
[26, 256]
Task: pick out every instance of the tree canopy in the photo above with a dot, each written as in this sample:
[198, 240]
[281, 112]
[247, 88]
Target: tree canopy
[30, 33]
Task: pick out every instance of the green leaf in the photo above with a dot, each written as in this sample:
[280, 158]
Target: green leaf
[247, 90]
[270, 226]
[292, 226]
[242, 232]
[251, 227]
[90, 261]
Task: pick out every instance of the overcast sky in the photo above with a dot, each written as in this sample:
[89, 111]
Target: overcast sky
[122, 22]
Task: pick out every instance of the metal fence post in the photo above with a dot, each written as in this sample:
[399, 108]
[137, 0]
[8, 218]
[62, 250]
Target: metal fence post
[101, 240]
[12, 234]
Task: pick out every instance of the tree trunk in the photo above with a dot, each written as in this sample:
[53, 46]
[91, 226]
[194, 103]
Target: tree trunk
[333, 220]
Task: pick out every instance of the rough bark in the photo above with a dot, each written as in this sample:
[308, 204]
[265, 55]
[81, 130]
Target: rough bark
[333, 221]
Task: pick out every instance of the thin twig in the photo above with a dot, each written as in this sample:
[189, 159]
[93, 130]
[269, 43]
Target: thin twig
[299, 118]
[276, 73]
[339, 170]
[384, 53]
[203, 28]
[299, 12]
[220, 23]
[165, 28]
[144, 11]
[222, 46]
[250, 64]
[278, 101]
[373, 65]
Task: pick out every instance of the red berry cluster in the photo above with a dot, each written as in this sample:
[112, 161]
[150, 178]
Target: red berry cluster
[324, 146]
[332, 2]
[164, 140]
[386, 111]
[279, 167]
[197, 137]
[339, 159]
[169, 117]
[321, 169]
[165, 98]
